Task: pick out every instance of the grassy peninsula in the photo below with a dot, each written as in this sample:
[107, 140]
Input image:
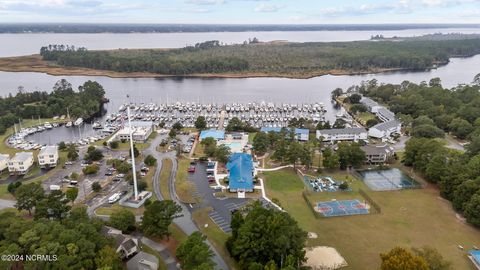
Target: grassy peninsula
[282, 59]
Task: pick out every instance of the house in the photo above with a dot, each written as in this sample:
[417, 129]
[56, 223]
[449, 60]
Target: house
[371, 105]
[3, 162]
[474, 256]
[385, 115]
[301, 134]
[20, 163]
[240, 172]
[48, 156]
[143, 261]
[342, 134]
[385, 130]
[212, 133]
[376, 154]
[125, 245]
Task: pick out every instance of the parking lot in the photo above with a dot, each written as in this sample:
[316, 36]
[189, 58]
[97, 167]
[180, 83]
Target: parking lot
[222, 207]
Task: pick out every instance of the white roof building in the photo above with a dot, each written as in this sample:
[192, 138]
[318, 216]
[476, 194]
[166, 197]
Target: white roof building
[48, 156]
[385, 130]
[20, 163]
[3, 161]
[342, 134]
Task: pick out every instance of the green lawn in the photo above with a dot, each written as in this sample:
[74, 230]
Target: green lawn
[164, 178]
[184, 187]
[251, 136]
[409, 218]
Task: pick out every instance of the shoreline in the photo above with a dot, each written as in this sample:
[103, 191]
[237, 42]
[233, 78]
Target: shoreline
[34, 63]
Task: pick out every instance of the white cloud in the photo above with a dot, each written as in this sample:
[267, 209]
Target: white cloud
[205, 2]
[265, 7]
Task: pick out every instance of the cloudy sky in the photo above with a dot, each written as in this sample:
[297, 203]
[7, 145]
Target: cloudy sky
[241, 11]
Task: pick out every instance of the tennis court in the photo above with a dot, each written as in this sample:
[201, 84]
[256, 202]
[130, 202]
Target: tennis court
[390, 179]
[341, 208]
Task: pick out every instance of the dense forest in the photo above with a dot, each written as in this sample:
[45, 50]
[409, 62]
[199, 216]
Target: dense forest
[85, 102]
[179, 28]
[428, 111]
[313, 58]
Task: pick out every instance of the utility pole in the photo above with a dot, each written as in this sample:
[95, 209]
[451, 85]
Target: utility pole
[130, 131]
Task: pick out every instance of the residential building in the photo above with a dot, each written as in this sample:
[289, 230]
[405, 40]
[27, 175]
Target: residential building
[143, 261]
[385, 115]
[371, 105]
[385, 130]
[342, 134]
[240, 172]
[48, 156]
[125, 245]
[376, 154]
[3, 162]
[212, 133]
[20, 163]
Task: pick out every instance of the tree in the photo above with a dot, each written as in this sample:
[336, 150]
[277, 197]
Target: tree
[96, 187]
[72, 194]
[54, 206]
[94, 154]
[91, 169]
[235, 124]
[150, 160]
[278, 238]
[350, 154]
[12, 187]
[200, 123]
[114, 144]
[177, 126]
[158, 216]
[427, 131]
[295, 153]
[194, 253]
[136, 153]
[472, 210]
[402, 259]
[460, 128]
[339, 123]
[62, 146]
[107, 258]
[123, 220]
[354, 98]
[72, 152]
[222, 153]
[28, 196]
[261, 142]
[330, 159]
[209, 146]
[173, 133]
[433, 258]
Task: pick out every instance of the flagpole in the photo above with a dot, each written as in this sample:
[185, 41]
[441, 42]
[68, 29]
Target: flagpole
[132, 154]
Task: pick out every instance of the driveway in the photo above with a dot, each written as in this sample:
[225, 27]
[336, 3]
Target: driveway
[222, 207]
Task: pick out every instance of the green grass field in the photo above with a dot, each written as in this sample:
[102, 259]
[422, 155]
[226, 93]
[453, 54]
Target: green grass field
[164, 178]
[184, 187]
[409, 218]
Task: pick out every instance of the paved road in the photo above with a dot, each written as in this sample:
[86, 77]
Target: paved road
[6, 204]
[185, 222]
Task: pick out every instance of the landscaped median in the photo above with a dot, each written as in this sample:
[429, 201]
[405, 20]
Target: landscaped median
[183, 186]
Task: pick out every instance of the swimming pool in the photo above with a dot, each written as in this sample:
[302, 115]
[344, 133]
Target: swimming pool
[389, 179]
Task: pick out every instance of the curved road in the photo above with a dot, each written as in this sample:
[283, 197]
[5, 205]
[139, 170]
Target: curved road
[185, 222]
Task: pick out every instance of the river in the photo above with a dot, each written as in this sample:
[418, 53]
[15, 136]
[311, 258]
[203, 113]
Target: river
[223, 90]
[25, 44]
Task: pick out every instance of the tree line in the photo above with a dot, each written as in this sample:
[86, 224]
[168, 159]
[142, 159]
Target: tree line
[86, 101]
[283, 58]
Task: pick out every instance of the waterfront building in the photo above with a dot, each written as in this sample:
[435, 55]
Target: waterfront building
[212, 133]
[20, 163]
[3, 162]
[377, 154]
[385, 130]
[240, 172]
[342, 134]
[48, 156]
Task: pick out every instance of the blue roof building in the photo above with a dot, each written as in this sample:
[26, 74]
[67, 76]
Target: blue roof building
[213, 133]
[474, 255]
[270, 129]
[240, 172]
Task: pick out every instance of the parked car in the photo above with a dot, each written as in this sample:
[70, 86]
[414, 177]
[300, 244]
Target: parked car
[191, 169]
[68, 163]
[108, 173]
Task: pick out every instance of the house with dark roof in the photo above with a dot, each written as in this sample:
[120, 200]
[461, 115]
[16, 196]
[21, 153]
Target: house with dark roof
[377, 154]
[240, 172]
[125, 245]
[385, 115]
[342, 134]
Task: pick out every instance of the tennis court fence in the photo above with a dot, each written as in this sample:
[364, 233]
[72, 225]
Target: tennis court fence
[370, 201]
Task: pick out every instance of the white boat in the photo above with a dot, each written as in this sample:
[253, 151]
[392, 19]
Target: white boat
[48, 125]
[78, 122]
[68, 124]
[97, 125]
